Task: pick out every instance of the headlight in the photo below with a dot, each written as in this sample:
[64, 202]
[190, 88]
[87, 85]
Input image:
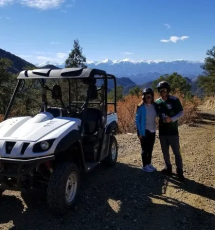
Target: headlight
[44, 145]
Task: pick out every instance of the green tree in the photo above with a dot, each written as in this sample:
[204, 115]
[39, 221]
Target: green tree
[7, 83]
[119, 94]
[135, 91]
[207, 81]
[76, 58]
[176, 81]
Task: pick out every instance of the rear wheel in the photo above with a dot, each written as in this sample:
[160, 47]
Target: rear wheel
[63, 187]
[111, 159]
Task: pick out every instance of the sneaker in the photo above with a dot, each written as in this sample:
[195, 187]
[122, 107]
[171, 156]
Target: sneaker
[152, 167]
[147, 169]
[166, 171]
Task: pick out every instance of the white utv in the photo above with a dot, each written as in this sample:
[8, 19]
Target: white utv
[49, 148]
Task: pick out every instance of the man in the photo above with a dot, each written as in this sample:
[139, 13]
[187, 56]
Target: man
[169, 109]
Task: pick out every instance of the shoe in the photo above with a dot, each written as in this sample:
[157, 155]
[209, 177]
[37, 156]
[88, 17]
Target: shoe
[180, 175]
[181, 178]
[152, 167]
[147, 169]
[166, 171]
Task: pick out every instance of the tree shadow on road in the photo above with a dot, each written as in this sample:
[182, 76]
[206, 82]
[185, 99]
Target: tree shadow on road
[122, 197]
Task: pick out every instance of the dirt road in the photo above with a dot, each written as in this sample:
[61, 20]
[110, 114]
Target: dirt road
[124, 197]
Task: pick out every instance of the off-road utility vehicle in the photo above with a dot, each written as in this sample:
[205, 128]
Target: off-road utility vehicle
[50, 147]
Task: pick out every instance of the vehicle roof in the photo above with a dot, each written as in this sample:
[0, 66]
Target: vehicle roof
[60, 73]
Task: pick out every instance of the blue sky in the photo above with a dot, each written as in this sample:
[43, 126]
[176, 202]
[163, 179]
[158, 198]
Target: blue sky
[44, 30]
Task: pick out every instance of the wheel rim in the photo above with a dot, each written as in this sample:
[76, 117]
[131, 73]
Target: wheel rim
[71, 187]
[113, 151]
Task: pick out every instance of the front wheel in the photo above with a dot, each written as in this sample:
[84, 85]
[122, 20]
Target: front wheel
[63, 187]
[111, 159]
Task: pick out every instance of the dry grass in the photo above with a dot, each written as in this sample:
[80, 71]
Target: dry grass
[126, 110]
[209, 103]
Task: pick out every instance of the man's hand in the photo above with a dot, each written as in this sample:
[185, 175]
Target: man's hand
[168, 119]
[140, 137]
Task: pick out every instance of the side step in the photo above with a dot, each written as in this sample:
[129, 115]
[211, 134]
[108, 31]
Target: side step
[91, 165]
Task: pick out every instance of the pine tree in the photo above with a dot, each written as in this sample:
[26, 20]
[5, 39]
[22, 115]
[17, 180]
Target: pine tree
[176, 81]
[207, 81]
[76, 58]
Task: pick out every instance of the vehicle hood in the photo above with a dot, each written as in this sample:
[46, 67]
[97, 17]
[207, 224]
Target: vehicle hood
[37, 127]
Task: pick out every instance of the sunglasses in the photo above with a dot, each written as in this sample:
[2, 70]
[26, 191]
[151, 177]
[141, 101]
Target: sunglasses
[147, 97]
[163, 91]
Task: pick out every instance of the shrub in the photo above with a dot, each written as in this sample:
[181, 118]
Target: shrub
[126, 110]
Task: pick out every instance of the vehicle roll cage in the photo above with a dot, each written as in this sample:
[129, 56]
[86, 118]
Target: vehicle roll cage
[89, 77]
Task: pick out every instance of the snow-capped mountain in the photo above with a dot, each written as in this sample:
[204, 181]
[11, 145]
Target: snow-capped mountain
[62, 65]
[145, 70]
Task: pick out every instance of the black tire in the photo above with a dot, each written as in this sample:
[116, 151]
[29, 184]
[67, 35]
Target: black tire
[111, 159]
[56, 191]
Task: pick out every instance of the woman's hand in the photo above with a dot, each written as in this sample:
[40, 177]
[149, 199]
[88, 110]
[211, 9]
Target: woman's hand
[168, 119]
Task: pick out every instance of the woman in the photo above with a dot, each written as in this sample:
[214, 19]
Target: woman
[146, 127]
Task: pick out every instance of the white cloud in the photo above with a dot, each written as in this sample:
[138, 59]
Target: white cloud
[43, 58]
[174, 39]
[42, 4]
[167, 26]
[61, 55]
[54, 43]
[5, 2]
[127, 53]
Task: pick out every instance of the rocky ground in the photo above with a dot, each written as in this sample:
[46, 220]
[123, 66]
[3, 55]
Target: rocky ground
[124, 197]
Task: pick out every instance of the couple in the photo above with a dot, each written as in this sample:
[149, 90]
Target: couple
[169, 109]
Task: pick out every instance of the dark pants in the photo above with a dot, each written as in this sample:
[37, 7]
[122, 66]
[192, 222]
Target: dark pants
[172, 141]
[147, 144]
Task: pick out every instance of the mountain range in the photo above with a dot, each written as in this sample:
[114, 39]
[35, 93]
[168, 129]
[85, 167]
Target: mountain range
[144, 71]
[129, 73]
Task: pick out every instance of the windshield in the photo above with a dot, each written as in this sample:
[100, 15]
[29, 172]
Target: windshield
[30, 96]
[32, 93]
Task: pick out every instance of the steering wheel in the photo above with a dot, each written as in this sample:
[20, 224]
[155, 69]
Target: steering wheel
[74, 106]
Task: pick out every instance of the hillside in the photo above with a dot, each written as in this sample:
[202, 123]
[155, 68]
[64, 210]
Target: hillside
[18, 63]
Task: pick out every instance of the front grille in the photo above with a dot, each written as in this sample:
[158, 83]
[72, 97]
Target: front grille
[9, 146]
[24, 147]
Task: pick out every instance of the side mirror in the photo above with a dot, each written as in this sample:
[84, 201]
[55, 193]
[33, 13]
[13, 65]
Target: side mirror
[56, 92]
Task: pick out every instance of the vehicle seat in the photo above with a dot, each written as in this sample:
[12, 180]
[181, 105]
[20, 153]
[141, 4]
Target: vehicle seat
[93, 125]
[56, 112]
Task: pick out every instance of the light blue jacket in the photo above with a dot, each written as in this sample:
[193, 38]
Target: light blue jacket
[140, 120]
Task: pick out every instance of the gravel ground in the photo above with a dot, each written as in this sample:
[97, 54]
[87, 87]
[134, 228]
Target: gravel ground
[125, 197]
